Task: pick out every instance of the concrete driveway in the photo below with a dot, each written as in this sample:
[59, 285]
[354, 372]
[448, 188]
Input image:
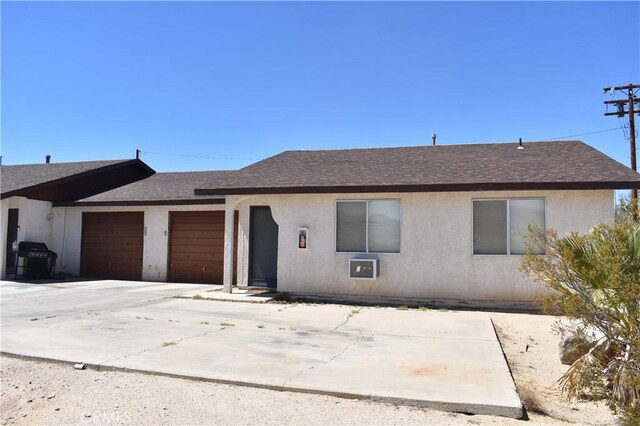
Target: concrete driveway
[439, 359]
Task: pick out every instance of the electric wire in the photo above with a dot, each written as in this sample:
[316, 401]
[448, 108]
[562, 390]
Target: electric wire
[623, 126]
[196, 156]
[582, 134]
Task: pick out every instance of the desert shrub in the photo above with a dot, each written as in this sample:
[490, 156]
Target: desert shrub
[624, 207]
[595, 279]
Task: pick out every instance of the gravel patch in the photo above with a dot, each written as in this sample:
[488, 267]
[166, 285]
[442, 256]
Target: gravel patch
[36, 392]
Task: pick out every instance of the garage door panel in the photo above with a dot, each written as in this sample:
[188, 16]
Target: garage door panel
[197, 227]
[196, 246]
[197, 264]
[113, 241]
[186, 243]
[128, 237]
[115, 232]
[182, 256]
[202, 233]
[125, 256]
[112, 245]
[117, 245]
[208, 219]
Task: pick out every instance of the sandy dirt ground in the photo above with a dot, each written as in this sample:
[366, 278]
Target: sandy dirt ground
[532, 353]
[46, 393]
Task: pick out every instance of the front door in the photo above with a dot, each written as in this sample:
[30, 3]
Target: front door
[12, 235]
[263, 259]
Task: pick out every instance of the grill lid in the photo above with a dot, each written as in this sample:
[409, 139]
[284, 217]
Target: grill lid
[32, 246]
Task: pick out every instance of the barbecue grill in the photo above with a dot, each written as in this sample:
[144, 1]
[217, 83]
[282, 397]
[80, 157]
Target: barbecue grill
[37, 260]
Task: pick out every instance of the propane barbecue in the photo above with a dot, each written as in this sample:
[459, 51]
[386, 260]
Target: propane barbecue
[35, 261]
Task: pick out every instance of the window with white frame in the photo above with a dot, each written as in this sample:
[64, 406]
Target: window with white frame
[368, 226]
[500, 226]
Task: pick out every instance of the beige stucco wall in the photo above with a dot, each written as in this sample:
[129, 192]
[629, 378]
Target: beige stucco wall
[68, 232]
[33, 221]
[435, 260]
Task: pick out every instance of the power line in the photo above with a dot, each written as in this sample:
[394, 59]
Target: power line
[196, 156]
[582, 134]
[255, 159]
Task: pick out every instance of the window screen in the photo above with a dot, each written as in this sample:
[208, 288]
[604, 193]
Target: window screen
[384, 226]
[523, 213]
[368, 226]
[500, 226]
[352, 226]
[490, 227]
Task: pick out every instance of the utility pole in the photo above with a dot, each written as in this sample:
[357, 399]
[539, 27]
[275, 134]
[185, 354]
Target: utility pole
[620, 104]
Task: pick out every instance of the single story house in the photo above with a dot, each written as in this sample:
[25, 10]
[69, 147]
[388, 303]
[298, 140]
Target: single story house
[428, 222]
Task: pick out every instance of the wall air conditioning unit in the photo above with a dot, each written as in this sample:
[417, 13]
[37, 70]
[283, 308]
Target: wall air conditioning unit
[364, 269]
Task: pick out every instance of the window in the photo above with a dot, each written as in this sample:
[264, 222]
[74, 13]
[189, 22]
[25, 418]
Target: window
[368, 226]
[499, 226]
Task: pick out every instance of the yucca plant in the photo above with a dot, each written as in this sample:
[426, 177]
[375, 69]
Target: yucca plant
[595, 279]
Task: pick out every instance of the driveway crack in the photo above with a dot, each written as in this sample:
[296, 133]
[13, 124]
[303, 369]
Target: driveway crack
[159, 347]
[339, 354]
[341, 324]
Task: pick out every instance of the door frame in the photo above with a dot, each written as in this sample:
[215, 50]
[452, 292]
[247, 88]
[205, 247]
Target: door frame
[8, 244]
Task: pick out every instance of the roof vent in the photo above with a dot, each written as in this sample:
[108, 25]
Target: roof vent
[520, 144]
[47, 159]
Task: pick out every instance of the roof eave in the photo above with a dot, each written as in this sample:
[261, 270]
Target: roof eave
[449, 187]
[115, 203]
[45, 191]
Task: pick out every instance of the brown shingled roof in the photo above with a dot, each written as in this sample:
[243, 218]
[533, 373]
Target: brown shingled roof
[160, 189]
[25, 175]
[495, 166]
[69, 181]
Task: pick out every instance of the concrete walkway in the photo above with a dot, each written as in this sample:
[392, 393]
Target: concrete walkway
[238, 295]
[445, 360]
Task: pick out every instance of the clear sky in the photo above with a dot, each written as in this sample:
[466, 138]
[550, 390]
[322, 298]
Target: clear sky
[88, 81]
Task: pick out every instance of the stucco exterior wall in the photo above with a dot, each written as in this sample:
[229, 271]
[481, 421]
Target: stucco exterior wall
[435, 259]
[34, 221]
[68, 232]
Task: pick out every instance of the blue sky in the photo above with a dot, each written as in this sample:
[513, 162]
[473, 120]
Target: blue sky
[86, 81]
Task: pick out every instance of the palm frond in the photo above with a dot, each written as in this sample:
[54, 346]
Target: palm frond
[580, 375]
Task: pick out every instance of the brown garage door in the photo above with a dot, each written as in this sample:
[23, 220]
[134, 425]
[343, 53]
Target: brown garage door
[196, 246]
[112, 245]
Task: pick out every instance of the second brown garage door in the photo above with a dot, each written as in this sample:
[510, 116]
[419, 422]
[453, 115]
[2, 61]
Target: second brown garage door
[196, 246]
[112, 245]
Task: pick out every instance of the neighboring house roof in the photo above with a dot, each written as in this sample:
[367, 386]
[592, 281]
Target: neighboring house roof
[159, 189]
[69, 181]
[494, 166]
